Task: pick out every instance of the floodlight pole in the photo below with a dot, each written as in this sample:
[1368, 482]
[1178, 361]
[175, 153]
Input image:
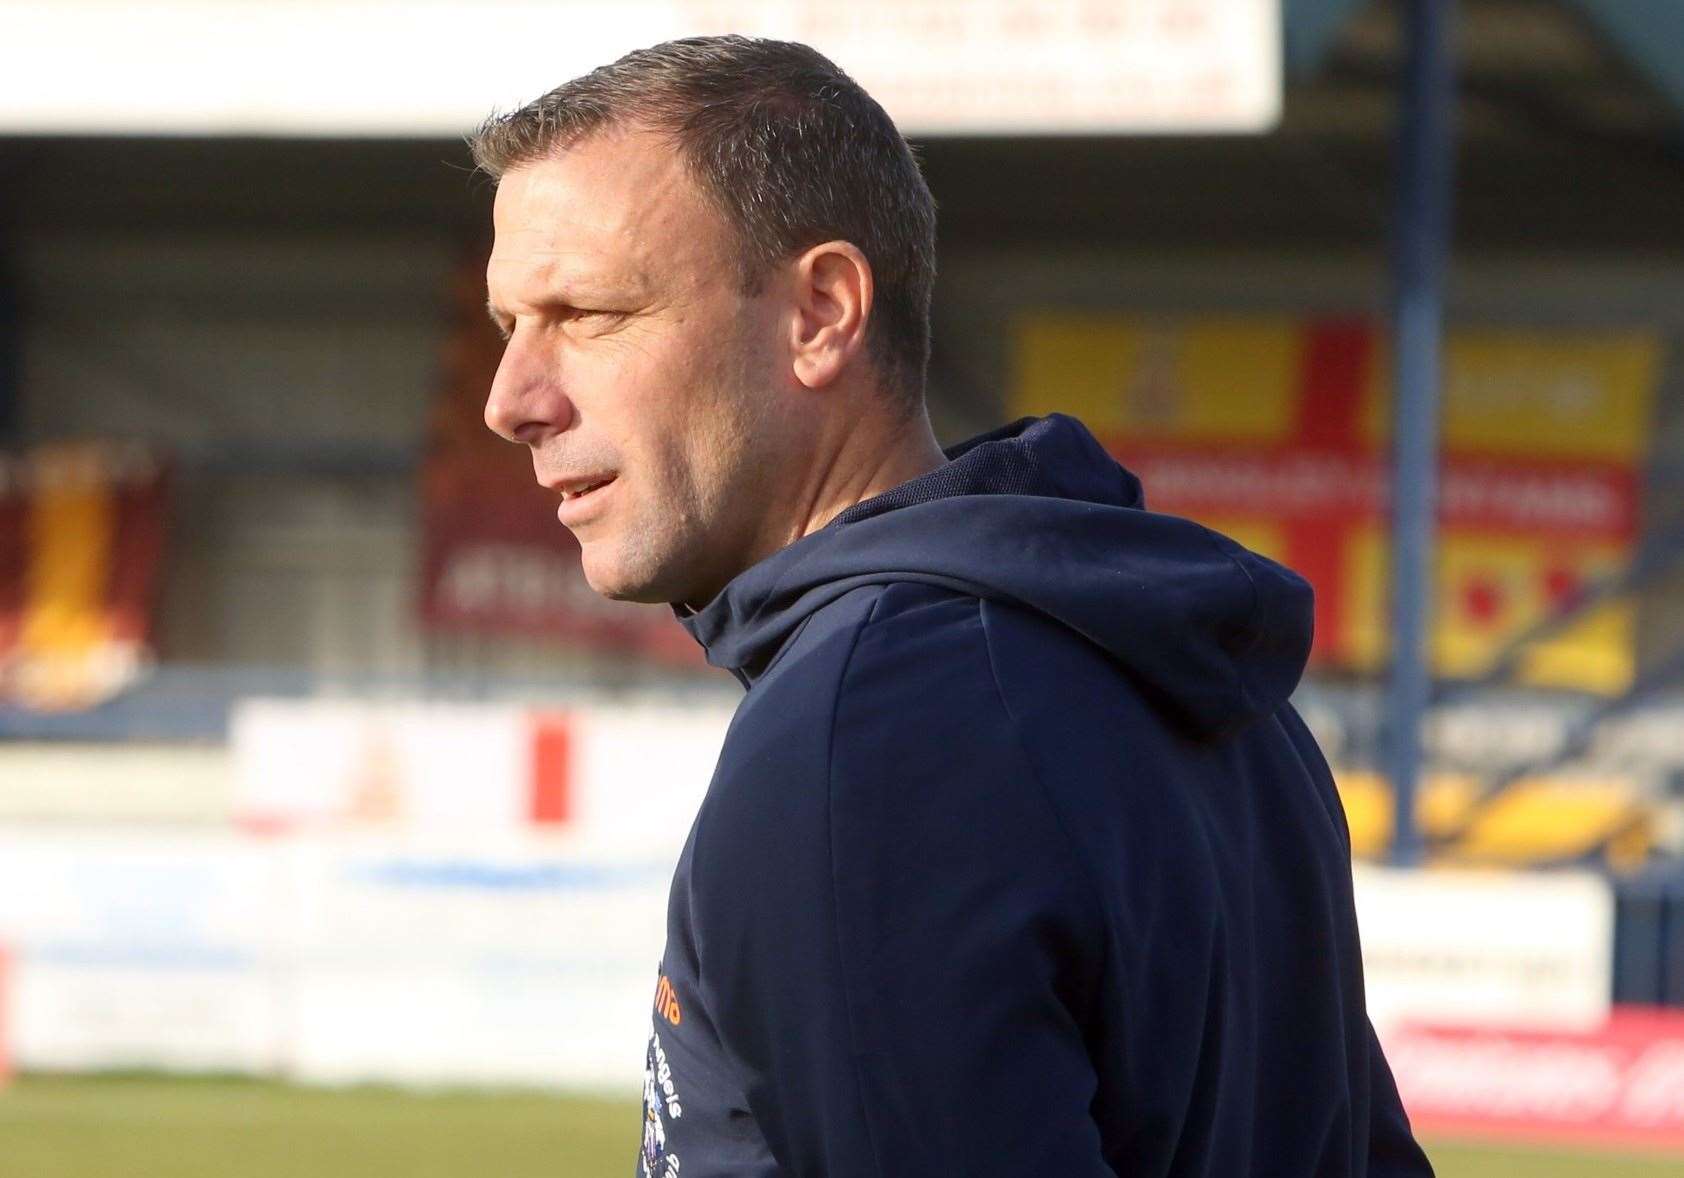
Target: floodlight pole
[11, 337]
[1426, 157]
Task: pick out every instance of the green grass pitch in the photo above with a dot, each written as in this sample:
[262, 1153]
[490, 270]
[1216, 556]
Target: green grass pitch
[159, 1127]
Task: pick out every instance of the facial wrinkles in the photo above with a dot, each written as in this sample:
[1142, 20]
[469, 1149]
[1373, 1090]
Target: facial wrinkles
[570, 239]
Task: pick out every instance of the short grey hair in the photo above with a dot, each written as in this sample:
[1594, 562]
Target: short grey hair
[786, 146]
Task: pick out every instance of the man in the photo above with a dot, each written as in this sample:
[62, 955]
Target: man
[1016, 860]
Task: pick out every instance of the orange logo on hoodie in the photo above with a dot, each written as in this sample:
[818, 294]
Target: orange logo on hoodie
[666, 1002]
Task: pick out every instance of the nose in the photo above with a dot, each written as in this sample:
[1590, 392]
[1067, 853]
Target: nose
[526, 403]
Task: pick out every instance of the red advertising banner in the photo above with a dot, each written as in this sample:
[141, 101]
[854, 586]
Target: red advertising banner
[1621, 1085]
[81, 549]
[495, 560]
[1276, 431]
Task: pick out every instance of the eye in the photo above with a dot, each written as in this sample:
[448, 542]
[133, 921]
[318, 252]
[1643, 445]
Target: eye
[596, 317]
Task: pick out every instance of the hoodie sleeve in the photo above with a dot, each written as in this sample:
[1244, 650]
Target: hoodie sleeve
[1393, 1151]
[897, 944]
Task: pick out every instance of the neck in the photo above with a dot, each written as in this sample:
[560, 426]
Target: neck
[867, 459]
[856, 459]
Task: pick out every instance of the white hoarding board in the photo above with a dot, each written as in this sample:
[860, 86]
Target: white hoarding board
[517, 958]
[529, 956]
[141, 948]
[398, 67]
[639, 774]
[504, 961]
[308, 762]
[1486, 948]
[628, 778]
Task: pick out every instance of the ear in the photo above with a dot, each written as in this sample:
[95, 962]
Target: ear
[833, 294]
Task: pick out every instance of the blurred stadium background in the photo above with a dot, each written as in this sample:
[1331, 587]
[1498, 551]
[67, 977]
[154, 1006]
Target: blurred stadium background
[320, 768]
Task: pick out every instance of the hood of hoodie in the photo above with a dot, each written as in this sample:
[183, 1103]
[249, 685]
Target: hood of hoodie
[1039, 515]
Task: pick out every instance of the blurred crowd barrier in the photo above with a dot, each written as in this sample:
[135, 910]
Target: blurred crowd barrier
[475, 894]
[398, 892]
[503, 959]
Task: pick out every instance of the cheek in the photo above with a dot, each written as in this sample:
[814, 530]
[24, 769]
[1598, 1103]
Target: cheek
[684, 403]
[638, 422]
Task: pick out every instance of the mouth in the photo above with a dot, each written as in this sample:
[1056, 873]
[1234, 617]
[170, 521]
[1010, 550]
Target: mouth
[579, 489]
[579, 498]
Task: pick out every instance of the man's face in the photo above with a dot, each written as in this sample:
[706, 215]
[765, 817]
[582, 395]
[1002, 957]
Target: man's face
[644, 382]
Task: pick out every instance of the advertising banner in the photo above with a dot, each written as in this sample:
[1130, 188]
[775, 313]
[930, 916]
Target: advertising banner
[529, 956]
[1486, 948]
[516, 959]
[981, 67]
[142, 948]
[520, 957]
[313, 763]
[1619, 1084]
[1275, 431]
[81, 550]
[495, 560]
[626, 778]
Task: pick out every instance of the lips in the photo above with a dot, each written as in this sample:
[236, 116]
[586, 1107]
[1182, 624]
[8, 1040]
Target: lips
[579, 490]
[580, 496]
[578, 485]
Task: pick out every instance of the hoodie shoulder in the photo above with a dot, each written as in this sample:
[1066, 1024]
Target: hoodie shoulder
[883, 721]
[858, 646]
[889, 690]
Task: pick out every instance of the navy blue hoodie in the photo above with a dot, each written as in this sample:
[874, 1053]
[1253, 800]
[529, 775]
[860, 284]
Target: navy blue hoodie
[1016, 861]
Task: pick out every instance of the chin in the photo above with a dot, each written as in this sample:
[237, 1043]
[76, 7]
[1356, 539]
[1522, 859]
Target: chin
[622, 584]
[632, 594]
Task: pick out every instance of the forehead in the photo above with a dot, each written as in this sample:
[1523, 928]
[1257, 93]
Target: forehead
[618, 206]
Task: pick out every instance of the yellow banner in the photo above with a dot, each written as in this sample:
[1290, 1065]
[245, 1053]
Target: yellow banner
[1275, 430]
[81, 530]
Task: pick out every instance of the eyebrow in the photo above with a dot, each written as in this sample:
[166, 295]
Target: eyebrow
[496, 315]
